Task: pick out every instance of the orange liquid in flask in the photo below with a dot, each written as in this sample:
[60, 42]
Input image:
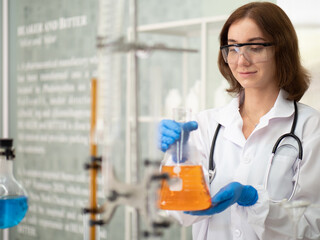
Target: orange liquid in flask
[188, 193]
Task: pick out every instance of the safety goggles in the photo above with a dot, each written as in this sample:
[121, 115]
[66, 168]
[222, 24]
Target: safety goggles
[253, 52]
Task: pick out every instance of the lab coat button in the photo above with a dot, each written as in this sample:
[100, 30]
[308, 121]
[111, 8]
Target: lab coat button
[237, 233]
[247, 159]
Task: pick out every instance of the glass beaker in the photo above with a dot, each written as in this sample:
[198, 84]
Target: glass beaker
[186, 189]
[13, 198]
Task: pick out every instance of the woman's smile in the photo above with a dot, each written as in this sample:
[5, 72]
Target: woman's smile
[246, 74]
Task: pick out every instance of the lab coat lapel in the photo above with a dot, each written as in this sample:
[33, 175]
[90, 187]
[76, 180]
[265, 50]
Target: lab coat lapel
[230, 118]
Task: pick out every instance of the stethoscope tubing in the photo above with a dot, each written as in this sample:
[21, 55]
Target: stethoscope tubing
[212, 168]
[295, 184]
[275, 147]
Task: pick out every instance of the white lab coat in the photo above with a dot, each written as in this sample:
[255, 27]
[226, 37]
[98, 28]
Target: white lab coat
[246, 160]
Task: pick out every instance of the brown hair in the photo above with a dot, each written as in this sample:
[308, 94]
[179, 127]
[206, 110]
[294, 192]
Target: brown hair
[276, 25]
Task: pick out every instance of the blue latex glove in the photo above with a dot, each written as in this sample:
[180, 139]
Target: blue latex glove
[234, 192]
[170, 132]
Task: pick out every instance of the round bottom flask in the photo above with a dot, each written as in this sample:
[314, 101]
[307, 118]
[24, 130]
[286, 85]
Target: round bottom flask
[13, 198]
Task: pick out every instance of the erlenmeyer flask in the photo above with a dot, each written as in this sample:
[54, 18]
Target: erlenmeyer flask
[186, 189]
[13, 198]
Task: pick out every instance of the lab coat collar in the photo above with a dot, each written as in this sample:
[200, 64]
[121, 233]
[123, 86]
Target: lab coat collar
[228, 114]
[230, 117]
[282, 108]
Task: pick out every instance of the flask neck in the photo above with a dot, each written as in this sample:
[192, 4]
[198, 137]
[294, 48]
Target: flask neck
[6, 166]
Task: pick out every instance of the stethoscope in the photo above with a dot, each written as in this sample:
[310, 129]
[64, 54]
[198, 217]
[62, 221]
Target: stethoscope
[212, 167]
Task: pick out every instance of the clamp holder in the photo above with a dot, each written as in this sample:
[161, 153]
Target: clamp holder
[95, 163]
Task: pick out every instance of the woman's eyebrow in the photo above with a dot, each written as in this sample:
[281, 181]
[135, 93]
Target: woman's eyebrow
[231, 41]
[256, 39]
[249, 40]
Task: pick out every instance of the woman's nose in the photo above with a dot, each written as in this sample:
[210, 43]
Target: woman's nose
[243, 60]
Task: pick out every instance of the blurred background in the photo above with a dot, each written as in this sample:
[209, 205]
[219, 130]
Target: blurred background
[50, 53]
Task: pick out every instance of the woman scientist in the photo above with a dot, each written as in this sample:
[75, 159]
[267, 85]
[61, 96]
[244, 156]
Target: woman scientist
[251, 198]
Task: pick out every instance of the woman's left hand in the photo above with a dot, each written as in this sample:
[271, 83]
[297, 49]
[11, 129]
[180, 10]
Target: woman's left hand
[244, 195]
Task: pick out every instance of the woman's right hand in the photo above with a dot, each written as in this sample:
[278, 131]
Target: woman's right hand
[170, 132]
